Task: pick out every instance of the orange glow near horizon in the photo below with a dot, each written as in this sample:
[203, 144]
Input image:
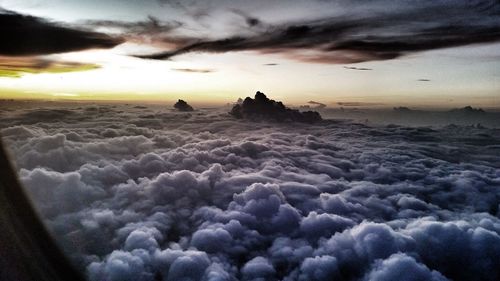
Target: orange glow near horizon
[214, 79]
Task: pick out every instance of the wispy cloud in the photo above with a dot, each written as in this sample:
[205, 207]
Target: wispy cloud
[317, 104]
[251, 21]
[357, 68]
[355, 103]
[151, 25]
[194, 70]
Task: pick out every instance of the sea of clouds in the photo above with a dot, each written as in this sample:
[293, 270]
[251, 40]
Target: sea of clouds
[143, 193]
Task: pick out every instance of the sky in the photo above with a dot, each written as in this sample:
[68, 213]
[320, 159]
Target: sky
[413, 53]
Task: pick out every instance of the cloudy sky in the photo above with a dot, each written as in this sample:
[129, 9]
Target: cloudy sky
[438, 53]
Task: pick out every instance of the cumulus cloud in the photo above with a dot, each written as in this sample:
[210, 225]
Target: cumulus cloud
[181, 105]
[145, 193]
[402, 267]
[263, 108]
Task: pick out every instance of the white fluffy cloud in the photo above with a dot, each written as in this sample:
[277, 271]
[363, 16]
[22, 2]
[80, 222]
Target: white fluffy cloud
[137, 193]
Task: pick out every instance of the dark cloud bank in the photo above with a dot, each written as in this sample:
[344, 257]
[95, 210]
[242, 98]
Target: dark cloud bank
[24, 39]
[356, 31]
[365, 31]
[24, 35]
[136, 193]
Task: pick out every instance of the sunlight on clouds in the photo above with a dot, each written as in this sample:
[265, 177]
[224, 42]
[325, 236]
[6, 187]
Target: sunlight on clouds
[65, 95]
[15, 67]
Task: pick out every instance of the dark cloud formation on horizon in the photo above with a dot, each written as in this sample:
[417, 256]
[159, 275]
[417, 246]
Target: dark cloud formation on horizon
[412, 116]
[352, 38]
[136, 193]
[183, 106]
[468, 110]
[261, 108]
[24, 35]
